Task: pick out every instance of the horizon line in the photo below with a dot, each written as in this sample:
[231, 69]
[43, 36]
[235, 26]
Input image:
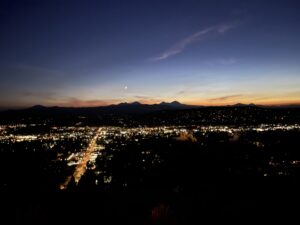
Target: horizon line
[4, 108]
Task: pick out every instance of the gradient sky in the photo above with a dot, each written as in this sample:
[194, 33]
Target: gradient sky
[87, 53]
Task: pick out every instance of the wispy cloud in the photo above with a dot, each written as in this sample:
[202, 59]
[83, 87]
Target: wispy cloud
[141, 97]
[182, 92]
[222, 61]
[227, 97]
[196, 37]
[147, 99]
[76, 102]
[48, 95]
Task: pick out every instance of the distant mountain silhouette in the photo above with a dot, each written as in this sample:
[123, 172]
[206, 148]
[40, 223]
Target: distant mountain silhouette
[244, 105]
[135, 103]
[124, 107]
[38, 107]
[137, 107]
[174, 104]
[136, 113]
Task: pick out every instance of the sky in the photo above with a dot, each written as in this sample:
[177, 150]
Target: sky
[200, 52]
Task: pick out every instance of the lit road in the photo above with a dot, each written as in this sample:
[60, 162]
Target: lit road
[82, 165]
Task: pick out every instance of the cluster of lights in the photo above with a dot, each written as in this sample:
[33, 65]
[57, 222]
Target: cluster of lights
[98, 137]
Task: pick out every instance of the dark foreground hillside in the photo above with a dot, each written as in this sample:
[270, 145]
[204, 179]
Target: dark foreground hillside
[163, 181]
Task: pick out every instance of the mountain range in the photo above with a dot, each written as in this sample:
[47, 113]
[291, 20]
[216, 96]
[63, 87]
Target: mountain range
[136, 113]
[133, 107]
[122, 108]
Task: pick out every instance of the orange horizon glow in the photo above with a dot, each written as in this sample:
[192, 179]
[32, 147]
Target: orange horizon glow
[76, 103]
[196, 103]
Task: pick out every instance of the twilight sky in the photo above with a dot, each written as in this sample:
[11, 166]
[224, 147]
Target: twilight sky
[206, 52]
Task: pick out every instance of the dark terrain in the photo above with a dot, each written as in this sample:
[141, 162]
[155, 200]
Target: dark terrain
[157, 180]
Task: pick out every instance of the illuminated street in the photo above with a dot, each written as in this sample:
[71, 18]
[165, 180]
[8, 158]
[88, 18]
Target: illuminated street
[81, 167]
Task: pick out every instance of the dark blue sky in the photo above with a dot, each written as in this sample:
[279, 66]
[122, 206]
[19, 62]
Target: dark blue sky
[68, 52]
